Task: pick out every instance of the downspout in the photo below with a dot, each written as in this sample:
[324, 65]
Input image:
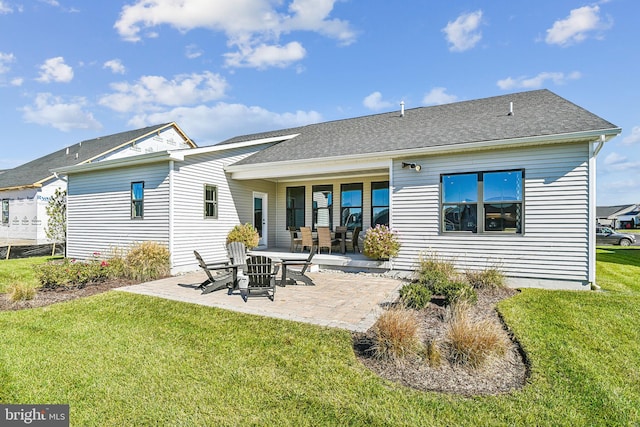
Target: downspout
[592, 211]
[171, 216]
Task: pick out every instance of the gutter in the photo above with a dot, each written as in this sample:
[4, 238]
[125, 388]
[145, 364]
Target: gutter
[331, 162]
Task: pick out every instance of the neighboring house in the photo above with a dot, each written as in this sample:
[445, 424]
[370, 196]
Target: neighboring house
[507, 181]
[623, 216]
[26, 189]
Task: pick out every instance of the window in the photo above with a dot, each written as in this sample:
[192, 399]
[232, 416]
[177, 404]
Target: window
[295, 207]
[210, 201]
[5, 212]
[495, 197]
[380, 203]
[137, 200]
[322, 206]
[351, 205]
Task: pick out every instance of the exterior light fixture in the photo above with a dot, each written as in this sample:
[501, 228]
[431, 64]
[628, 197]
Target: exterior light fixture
[415, 166]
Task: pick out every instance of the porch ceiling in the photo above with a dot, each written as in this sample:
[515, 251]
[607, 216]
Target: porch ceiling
[320, 169]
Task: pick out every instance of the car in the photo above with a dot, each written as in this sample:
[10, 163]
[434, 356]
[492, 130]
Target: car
[607, 236]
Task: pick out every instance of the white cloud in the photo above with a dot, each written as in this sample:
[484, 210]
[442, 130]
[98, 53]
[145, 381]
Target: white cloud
[375, 102]
[615, 162]
[538, 81]
[577, 26]
[65, 116]
[633, 138]
[192, 51]
[211, 124]
[17, 81]
[463, 33]
[115, 65]
[5, 8]
[438, 96]
[253, 27]
[55, 70]
[152, 92]
[264, 56]
[5, 60]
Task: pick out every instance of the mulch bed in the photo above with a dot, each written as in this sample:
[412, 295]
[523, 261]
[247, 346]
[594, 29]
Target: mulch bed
[48, 297]
[497, 376]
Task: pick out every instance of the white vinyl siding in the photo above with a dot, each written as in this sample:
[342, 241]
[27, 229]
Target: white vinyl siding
[99, 210]
[191, 230]
[556, 192]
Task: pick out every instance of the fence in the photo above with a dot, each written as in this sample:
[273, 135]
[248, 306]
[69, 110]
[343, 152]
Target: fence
[27, 251]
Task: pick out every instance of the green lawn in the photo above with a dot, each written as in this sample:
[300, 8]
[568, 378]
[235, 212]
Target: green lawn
[20, 270]
[124, 359]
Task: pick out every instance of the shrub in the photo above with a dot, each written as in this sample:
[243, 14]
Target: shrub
[471, 342]
[415, 295]
[491, 278]
[396, 334]
[381, 243]
[70, 274]
[244, 233]
[432, 267]
[20, 292]
[456, 292]
[147, 261]
[432, 353]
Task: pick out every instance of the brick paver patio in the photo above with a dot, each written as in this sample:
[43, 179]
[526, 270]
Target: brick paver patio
[343, 300]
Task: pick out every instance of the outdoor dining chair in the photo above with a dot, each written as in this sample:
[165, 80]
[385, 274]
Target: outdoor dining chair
[354, 240]
[295, 240]
[325, 240]
[307, 239]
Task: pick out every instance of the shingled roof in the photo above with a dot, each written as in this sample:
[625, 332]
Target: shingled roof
[38, 171]
[535, 113]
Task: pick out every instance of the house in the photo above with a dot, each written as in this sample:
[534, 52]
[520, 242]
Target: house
[505, 181]
[622, 216]
[26, 189]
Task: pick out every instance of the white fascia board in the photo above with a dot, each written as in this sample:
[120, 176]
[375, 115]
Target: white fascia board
[242, 144]
[368, 161]
[160, 156]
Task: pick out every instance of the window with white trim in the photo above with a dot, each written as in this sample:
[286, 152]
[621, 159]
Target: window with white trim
[137, 200]
[483, 202]
[210, 201]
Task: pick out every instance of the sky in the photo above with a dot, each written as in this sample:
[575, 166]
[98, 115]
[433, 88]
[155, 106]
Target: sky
[72, 70]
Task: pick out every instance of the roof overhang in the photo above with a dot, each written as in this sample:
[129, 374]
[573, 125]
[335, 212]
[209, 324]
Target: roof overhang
[163, 156]
[21, 187]
[375, 163]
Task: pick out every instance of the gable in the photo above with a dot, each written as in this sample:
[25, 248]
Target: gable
[38, 171]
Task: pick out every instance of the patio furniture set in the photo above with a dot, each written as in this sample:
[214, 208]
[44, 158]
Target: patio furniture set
[252, 274]
[303, 238]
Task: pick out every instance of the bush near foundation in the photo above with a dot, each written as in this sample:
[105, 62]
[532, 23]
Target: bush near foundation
[144, 261]
[244, 233]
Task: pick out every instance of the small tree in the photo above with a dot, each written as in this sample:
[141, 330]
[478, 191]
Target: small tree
[57, 212]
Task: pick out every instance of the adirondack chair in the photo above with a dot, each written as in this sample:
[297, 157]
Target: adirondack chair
[227, 276]
[261, 271]
[293, 276]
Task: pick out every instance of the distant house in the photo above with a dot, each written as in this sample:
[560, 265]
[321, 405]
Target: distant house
[505, 181]
[621, 216]
[26, 189]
